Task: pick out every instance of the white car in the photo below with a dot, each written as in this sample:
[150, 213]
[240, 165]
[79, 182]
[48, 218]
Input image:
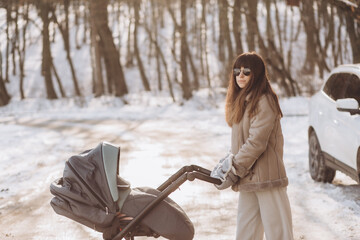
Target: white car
[334, 126]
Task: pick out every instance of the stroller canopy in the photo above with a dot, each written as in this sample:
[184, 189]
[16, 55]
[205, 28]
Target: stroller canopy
[92, 193]
[88, 191]
[98, 168]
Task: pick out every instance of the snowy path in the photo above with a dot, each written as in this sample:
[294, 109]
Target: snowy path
[154, 146]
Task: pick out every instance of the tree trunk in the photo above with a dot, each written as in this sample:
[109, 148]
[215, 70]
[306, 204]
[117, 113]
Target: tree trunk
[221, 41]
[154, 18]
[7, 54]
[251, 23]
[58, 80]
[21, 52]
[227, 34]
[185, 84]
[98, 81]
[99, 16]
[307, 17]
[225, 40]
[279, 30]
[161, 55]
[77, 23]
[65, 34]
[4, 96]
[14, 40]
[86, 21]
[136, 48]
[46, 51]
[204, 41]
[129, 53]
[64, 30]
[353, 30]
[193, 68]
[237, 26]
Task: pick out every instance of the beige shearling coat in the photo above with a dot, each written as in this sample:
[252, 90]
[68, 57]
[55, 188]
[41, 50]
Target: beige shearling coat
[257, 144]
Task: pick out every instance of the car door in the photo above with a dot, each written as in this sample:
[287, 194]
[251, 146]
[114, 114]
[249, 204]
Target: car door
[341, 129]
[346, 126]
[334, 89]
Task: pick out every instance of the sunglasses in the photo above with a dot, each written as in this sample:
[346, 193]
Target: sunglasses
[245, 71]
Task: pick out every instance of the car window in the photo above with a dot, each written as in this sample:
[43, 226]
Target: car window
[335, 86]
[353, 87]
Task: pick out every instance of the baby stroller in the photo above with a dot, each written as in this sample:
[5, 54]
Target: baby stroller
[92, 193]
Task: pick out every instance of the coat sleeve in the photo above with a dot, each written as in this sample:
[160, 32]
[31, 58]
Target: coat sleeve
[261, 126]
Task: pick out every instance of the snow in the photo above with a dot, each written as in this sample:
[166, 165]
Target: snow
[157, 137]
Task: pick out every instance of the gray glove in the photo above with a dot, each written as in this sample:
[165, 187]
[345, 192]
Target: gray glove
[225, 171]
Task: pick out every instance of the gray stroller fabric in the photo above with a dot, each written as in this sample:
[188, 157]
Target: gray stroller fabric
[85, 192]
[166, 219]
[92, 193]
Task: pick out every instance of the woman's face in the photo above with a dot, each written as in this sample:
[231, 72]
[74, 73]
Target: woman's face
[242, 76]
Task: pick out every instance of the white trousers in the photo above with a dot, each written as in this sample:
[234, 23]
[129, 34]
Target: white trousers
[267, 211]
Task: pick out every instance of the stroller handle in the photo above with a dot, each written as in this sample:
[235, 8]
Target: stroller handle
[190, 173]
[194, 172]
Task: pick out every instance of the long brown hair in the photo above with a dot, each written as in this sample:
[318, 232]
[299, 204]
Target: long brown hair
[238, 99]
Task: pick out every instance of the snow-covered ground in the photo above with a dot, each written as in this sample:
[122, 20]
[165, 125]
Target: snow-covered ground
[157, 138]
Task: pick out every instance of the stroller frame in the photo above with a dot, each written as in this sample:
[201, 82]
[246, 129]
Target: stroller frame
[92, 193]
[190, 173]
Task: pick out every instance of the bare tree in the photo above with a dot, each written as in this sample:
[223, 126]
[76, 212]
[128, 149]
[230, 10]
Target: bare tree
[4, 96]
[161, 55]
[8, 24]
[136, 48]
[182, 29]
[58, 80]
[44, 7]
[21, 52]
[331, 30]
[103, 37]
[129, 44]
[154, 39]
[251, 14]
[185, 84]
[308, 19]
[204, 42]
[353, 29]
[64, 30]
[352, 17]
[237, 27]
[224, 34]
[96, 62]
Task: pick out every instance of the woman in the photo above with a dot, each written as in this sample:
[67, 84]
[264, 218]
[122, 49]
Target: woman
[253, 112]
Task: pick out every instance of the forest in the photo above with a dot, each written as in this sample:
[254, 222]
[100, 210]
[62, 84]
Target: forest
[187, 45]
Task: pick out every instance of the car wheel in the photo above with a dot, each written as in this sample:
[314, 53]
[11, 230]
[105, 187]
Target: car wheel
[318, 170]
